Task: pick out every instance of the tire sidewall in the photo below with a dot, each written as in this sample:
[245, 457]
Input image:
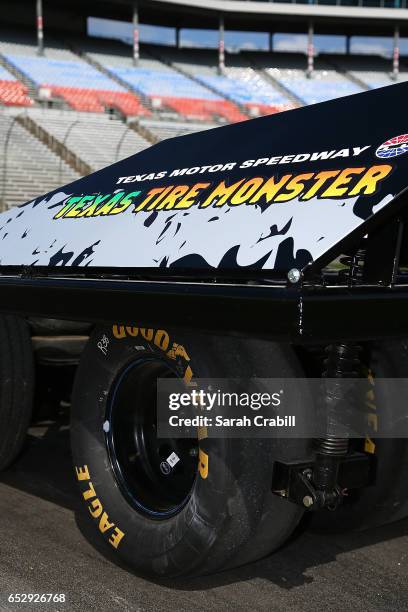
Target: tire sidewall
[227, 498]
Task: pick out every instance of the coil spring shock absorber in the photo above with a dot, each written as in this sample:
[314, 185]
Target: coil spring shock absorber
[342, 362]
[354, 266]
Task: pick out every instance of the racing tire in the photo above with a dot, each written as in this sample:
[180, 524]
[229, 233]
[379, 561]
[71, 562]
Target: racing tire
[221, 513]
[16, 386]
[386, 500]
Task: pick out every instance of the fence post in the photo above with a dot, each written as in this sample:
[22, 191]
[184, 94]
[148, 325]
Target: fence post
[136, 51]
[395, 55]
[40, 28]
[221, 46]
[310, 51]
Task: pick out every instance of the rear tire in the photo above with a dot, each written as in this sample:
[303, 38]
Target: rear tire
[16, 386]
[227, 515]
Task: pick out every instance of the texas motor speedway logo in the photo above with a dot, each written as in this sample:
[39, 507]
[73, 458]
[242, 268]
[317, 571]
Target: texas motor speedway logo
[393, 147]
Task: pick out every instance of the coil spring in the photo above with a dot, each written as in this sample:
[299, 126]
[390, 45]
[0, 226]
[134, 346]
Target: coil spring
[332, 446]
[354, 263]
[342, 361]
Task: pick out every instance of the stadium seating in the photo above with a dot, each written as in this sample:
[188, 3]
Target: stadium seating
[99, 140]
[370, 71]
[171, 129]
[27, 167]
[12, 92]
[97, 101]
[288, 70]
[326, 83]
[166, 89]
[262, 97]
[240, 83]
[67, 76]
[241, 93]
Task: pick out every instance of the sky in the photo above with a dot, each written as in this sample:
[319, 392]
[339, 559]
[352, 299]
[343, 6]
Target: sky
[234, 41]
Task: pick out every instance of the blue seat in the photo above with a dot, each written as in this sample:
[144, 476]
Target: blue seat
[62, 73]
[166, 84]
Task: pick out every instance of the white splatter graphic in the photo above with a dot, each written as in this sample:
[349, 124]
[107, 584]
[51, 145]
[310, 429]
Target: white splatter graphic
[30, 236]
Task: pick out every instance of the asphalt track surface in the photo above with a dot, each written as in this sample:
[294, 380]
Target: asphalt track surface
[44, 549]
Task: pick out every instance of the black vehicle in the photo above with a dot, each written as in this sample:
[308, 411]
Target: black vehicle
[272, 248]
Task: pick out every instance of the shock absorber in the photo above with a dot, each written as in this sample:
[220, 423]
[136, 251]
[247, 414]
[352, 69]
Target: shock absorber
[354, 263]
[342, 362]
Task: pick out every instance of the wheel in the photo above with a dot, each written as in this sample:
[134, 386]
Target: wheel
[215, 509]
[16, 386]
[387, 499]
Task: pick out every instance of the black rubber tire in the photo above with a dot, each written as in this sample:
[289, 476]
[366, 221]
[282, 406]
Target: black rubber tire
[387, 500]
[16, 386]
[231, 517]
[58, 327]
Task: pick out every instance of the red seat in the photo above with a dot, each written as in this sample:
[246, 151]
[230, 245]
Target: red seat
[258, 110]
[14, 93]
[124, 101]
[204, 110]
[95, 101]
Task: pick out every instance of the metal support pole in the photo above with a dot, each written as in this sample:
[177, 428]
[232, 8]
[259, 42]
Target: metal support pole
[3, 203]
[348, 43]
[221, 47]
[310, 51]
[40, 28]
[271, 42]
[395, 55]
[136, 54]
[120, 141]
[178, 38]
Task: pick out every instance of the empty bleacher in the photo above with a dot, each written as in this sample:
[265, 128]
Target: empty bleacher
[27, 167]
[166, 90]
[170, 129]
[257, 95]
[371, 71]
[67, 76]
[289, 70]
[240, 83]
[99, 140]
[12, 92]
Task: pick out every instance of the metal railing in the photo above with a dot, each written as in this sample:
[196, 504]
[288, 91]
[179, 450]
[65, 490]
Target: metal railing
[61, 147]
[3, 204]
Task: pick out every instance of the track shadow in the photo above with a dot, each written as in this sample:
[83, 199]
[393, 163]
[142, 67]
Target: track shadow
[44, 470]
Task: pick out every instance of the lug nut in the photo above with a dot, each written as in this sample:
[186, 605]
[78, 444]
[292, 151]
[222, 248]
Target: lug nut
[308, 501]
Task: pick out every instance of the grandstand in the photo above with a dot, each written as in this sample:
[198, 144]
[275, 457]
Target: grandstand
[239, 83]
[67, 76]
[86, 102]
[28, 168]
[161, 85]
[12, 92]
[97, 139]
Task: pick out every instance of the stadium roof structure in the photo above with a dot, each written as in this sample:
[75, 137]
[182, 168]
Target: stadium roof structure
[241, 15]
[279, 16]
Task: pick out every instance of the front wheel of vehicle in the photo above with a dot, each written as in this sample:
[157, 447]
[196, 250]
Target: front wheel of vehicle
[214, 508]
